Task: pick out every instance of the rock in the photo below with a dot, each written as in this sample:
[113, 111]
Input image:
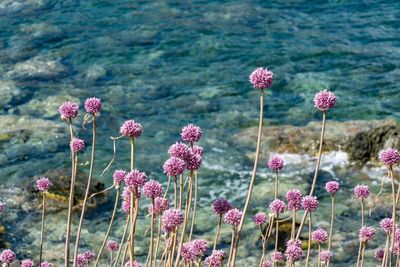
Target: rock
[9, 91]
[42, 32]
[362, 140]
[95, 73]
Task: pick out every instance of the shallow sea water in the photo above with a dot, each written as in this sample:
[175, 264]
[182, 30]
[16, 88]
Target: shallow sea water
[169, 63]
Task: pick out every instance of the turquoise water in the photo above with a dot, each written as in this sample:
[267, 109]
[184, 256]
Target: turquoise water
[169, 63]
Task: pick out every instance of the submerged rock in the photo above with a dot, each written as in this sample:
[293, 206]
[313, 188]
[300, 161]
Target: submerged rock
[362, 140]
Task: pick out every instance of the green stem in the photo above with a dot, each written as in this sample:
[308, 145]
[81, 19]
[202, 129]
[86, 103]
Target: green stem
[42, 227]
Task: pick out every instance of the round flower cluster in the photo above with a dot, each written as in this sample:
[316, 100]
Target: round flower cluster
[193, 161]
[7, 256]
[293, 197]
[261, 78]
[389, 156]
[191, 133]
[319, 236]
[77, 145]
[277, 256]
[43, 184]
[193, 250]
[89, 256]
[366, 233]
[172, 218]
[221, 206]
[93, 105]
[386, 225]
[27, 263]
[112, 245]
[324, 100]
[309, 203]
[152, 189]
[174, 166]
[267, 263]
[293, 250]
[135, 179]
[119, 176]
[135, 264]
[46, 264]
[187, 253]
[233, 217]
[215, 259]
[361, 191]
[198, 150]
[160, 205]
[275, 163]
[332, 187]
[131, 129]
[260, 218]
[277, 206]
[326, 255]
[179, 150]
[379, 254]
[2, 206]
[68, 110]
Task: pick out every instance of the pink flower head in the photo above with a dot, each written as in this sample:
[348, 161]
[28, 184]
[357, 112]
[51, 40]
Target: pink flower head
[332, 187]
[112, 245]
[199, 247]
[215, 259]
[233, 217]
[324, 100]
[397, 234]
[260, 218]
[126, 206]
[135, 179]
[135, 264]
[187, 253]
[179, 150]
[379, 254]
[267, 263]
[68, 110]
[160, 205]
[361, 191]
[277, 256]
[152, 189]
[293, 242]
[275, 163]
[396, 248]
[43, 184]
[80, 260]
[221, 206]
[366, 233]
[77, 145]
[89, 256]
[319, 236]
[261, 78]
[27, 263]
[174, 166]
[172, 218]
[131, 129]
[7, 256]
[277, 206]
[2, 206]
[119, 176]
[389, 156]
[46, 264]
[191, 133]
[93, 105]
[326, 255]
[293, 197]
[193, 161]
[309, 203]
[293, 253]
[198, 150]
[386, 225]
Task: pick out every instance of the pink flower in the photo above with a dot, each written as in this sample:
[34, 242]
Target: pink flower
[326, 255]
[275, 163]
[221, 206]
[277, 256]
[199, 247]
[2, 206]
[216, 259]
[332, 187]
[361, 191]
[261, 78]
[187, 253]
[386, 225]
[135, 179]
[46, 264]
[233, 217]
[179, 150]
[7, 256]
[379, 253]
[267, 263]
[324, 100]
[93, 105]
[135, 264]
[68, 110]
[193, 161]
[152, 189]
[77, 145]
[260, 218]
[112, 245]
[27, 263]
[320, 236]
[131, 129]
[198, 150]
[191, 133]
[172, 218]
[89, 256]
[309, 203]
[277, 206]
[174, 166]
[293, 197]
[43, 184]
[161, 204]
[293, 253]
[80, 260]
[389, 156]
[366, 233]
[119, 176]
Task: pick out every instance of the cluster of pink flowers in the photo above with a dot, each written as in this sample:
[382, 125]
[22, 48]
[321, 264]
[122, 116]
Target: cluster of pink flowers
[43, 184]
[276, 163]
[324, 100]
[135, 179]
[260, 218]
[233, 217]
[93, 105]
[191, 133]
[7, 256]
[386, 225]
[389, 156]
[193, 250]
[215, 259]
[161, 204]
[361, 191]
[77, 145]
[27, 263]
[85, 258]
[277, 206]
[261, 78]
[325, 255]
[293, 250]
[332, 187]
[174, 166]
[366, 233]
[152, 189]
[135, 264]
[119, 176]
[293, 198]
[172, 219]
[68, 110]
[131, 129]
[2, 206]
[319, 236]
[112, 245]
[221, 206]
[276, 256]
[309, 203]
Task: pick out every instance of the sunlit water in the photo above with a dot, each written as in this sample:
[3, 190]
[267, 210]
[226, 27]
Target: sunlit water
[166, 64]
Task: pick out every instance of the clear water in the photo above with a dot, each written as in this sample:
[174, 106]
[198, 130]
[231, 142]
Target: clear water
[168, 63]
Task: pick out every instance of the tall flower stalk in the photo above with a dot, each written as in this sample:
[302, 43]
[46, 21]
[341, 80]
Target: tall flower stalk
[366, 234]
[260, 79]
[331, 187]
[361, 192]
[220, 206]
[43, 185]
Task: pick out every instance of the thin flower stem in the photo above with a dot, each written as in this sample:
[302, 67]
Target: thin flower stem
[124, 254]
[385, 256]
[309, 240]
[42, 227]
[78, 234]
[180, 191]
[109, 227]
[121, 244]
[132, 207]
[319, 255]
[111, 259]
[218, 231]
[232, 244]
[328, 263]
[196, 186]
[158, 240]
[362, 225]
[293, 224]
[276, 235]
[362, 253]
[152, 236]
[168, 184]
[394, 208]
[175, 192]
[397, 259]
[276, 185]
[253, 177]
[71, 199]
